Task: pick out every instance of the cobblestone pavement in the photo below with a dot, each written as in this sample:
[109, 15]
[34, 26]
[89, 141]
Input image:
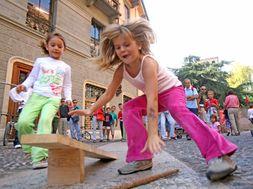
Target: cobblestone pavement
[187, 152]
[15, 160]
[192, 170]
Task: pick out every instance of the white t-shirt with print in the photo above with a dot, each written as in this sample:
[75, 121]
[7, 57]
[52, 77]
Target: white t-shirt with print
[49, 77]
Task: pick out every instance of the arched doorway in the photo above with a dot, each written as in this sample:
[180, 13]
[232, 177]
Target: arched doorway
[19, 74]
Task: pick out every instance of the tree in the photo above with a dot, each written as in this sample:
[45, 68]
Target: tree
[239, 75]
[205, 73]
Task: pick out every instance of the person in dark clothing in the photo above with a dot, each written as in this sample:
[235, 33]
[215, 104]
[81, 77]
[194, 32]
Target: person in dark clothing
[63, 121]
[107, 122]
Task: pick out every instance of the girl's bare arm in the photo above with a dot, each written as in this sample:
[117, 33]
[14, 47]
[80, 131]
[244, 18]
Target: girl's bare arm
[107, 96]
[150, 67]
[111, 90]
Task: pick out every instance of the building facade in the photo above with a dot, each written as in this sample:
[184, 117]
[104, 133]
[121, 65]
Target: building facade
[24, 23]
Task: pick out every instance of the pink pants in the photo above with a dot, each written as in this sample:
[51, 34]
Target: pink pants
[210, 143]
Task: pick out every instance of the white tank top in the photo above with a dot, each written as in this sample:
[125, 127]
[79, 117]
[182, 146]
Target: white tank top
[166, 79]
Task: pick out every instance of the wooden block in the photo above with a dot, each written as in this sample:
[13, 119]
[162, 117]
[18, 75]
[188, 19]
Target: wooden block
[65, 166]
[55, 141]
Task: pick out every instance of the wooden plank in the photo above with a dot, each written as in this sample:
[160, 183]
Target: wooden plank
[145, 180]
[65, 166]
[55, 141]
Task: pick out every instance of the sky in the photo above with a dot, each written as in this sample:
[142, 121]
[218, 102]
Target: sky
[205, 28]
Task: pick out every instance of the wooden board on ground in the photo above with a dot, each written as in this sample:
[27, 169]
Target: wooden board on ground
[54, 141]
[65, 157]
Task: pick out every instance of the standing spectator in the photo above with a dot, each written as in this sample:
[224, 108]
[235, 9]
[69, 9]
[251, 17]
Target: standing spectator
[74, 123]
[107, 122]
[63, 115]
[211, 106]
[55, 123]
[21, 98]
[191, 99]
[232, 105]
[201, 103]
[163, 118]
[97, 121]
[250, 116]
[115, 121]
[122, 129]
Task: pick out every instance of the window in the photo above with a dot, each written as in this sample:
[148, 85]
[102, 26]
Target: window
[96, 30]
[127, 12]
[39, 15]
[95, 33]
[92, 91]
[43, 5]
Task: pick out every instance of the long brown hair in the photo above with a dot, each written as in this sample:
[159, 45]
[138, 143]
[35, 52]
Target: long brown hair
[43, 43]
[139, 30]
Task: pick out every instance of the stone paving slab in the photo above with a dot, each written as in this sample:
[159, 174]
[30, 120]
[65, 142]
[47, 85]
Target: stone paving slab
[104, 175]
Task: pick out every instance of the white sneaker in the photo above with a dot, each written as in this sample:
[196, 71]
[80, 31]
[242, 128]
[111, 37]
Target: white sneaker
[219, 168]
[41, 164]
[17, 146]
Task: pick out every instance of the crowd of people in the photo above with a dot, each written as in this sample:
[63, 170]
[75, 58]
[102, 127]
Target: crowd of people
[105, 121]
[220, 117]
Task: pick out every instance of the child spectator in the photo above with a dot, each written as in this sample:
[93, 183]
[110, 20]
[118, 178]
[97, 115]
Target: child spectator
[211, 105]
[214, 123]
[107, 122]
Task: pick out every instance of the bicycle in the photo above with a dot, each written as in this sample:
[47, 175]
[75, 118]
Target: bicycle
[85, 135]
[9, 131]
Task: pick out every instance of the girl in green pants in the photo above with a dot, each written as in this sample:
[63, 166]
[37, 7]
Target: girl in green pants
[49, 76]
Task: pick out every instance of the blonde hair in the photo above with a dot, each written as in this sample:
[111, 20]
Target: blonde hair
[139, 30]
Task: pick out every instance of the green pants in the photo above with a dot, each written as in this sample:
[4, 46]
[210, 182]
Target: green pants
[45, 107]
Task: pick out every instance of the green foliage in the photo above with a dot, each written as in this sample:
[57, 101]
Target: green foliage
[239, 75]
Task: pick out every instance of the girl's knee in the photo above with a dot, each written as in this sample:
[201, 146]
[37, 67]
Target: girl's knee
[45, 121]
[22, 124]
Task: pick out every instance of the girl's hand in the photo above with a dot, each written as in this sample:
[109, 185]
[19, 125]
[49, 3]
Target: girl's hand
[20, 88]
[154, 144]
[86, 112]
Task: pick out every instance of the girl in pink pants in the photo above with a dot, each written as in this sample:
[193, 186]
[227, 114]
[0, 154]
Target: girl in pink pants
[127, 46]
[210, 142]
